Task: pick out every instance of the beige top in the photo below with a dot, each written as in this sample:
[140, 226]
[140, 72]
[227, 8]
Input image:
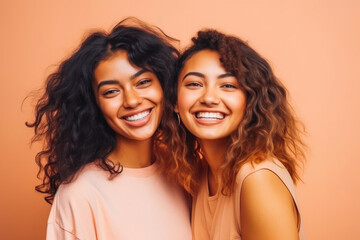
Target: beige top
[218, 217]
[139, 203]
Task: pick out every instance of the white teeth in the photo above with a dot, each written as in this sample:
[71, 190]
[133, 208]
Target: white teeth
[210, 115]
[138, 116]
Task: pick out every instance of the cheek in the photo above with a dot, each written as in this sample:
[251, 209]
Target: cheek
[185, 100]
[109, 107]
[161, 105]
[160, 96]
[155, 94]
[237, 103]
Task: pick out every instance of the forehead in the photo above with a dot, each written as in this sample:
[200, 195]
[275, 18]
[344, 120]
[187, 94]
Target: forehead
[204, 61]
[116, 63]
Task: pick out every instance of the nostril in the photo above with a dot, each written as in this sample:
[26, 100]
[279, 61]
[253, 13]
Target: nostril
[210, 100]
[131, 99]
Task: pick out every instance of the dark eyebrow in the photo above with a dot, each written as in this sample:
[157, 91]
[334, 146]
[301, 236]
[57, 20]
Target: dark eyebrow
[194, 74]
[139, 73]
[226, 75]
[108, 82]
[203, 76]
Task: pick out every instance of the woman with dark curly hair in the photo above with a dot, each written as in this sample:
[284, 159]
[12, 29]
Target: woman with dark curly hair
[100, 119]
[235, 142]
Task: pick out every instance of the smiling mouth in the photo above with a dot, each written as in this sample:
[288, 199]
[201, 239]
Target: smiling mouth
[209, 115]
[138, 116]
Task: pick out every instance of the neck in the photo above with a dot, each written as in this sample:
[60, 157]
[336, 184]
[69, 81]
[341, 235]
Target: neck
[214, 153]
[132, 153]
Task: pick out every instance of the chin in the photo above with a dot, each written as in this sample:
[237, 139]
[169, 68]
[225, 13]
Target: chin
[144, 136]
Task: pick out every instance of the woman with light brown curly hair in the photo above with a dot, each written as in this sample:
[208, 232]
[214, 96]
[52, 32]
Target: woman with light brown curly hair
[235, 141]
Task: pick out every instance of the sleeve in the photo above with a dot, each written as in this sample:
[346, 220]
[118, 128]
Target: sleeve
[71, 216]
[55, 232]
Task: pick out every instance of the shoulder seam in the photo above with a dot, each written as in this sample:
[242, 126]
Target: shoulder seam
[63, 228]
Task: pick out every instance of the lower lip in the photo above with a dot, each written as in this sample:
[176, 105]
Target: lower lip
[139, 123]
[208, 121]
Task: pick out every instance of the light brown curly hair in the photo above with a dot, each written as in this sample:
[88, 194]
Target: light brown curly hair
[269, 127]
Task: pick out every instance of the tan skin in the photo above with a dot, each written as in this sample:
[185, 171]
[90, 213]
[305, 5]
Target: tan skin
[274, 218]
[213, 151]
[131, 100]
[129, 156]
[267, 207]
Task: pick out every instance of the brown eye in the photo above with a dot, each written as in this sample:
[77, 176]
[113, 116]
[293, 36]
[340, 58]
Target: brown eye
[193, 84]
[110, 92]
[143, 83]
[228, 85]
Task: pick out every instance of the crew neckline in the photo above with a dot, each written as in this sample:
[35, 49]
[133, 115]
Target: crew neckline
[141, 172]
[210, 197]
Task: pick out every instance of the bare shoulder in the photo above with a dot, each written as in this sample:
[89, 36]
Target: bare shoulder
[267, 208]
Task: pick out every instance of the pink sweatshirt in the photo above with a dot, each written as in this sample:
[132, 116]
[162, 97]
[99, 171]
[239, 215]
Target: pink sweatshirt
[139, 203]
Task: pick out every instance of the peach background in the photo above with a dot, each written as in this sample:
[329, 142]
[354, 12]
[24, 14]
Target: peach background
[313, 45]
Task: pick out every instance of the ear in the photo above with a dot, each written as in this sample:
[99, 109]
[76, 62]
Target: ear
[176, 109]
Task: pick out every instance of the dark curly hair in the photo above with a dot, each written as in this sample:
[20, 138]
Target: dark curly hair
[268, 128]
[67, 117]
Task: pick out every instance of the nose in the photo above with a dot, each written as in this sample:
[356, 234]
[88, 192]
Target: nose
[131, 98]
[210, 96]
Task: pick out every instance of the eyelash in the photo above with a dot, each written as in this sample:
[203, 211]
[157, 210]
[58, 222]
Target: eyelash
[193, 84]
[111, 91]
[143, 82]
[228, 85]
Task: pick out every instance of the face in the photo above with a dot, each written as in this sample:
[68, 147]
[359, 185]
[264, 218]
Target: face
[210, 100]
[130, 98]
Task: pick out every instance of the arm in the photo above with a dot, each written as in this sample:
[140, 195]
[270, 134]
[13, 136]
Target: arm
[267, 209]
